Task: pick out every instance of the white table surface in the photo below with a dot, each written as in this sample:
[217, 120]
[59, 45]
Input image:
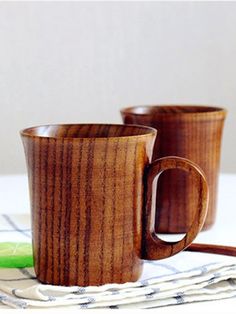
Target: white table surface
[14, 199]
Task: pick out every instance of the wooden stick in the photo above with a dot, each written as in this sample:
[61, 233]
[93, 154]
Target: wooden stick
[212, 248]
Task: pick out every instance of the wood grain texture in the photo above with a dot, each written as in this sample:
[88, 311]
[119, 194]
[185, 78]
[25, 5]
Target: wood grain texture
[90, 191]
[192, 132]
[86, 190]
[151, 240]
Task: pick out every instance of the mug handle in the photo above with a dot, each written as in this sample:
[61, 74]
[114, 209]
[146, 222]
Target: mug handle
[154, 247]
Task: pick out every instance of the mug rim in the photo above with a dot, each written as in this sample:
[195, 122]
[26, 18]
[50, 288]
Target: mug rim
[29, 131]
[197, 110]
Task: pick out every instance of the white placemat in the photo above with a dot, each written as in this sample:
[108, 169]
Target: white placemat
[186, 277]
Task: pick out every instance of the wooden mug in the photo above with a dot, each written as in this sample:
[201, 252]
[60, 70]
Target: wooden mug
[91, 201]
[192, 132]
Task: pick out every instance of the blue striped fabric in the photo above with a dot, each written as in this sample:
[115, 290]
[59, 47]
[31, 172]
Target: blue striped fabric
[186, 277]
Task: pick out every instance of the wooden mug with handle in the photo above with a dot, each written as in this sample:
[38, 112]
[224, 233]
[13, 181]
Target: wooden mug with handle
[91, 202]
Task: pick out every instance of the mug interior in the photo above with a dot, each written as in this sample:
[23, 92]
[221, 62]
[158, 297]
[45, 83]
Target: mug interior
[171, 109]
[87, 131]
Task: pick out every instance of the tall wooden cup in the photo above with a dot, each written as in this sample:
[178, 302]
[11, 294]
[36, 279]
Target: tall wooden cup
[192, 132]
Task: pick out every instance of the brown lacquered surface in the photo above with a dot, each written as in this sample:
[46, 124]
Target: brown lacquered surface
[88, 187]
[192, 132]
[151, 241]
[86, 191]
[212, 249]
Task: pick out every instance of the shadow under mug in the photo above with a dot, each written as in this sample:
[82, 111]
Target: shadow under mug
[91, 202]
[192, 132]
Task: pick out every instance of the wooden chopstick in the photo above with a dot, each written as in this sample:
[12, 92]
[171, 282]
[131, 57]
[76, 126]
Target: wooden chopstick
[212, 248]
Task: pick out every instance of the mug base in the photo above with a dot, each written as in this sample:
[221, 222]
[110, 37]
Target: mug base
[66, 282]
